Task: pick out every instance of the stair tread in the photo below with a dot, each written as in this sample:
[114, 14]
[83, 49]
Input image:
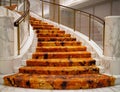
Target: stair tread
[61, 62]
[72, 52]
[56, 39]
[48, 55]
[82, 81]
[58, 43]
[53, 35]
[59, 70]
[50, 31]
[64, 59]
[60, 48]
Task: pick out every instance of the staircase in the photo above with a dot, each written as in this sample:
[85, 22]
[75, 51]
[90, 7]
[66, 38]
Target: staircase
[59, 62]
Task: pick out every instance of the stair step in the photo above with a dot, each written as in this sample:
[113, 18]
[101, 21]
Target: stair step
[60, 48]
[50, 31]
[53, 35]
[83, 81]
[49, 55]
[33, 19]
[37, 22]
[56, 39]
[59, 43]
[49, 28]
[41, 25]
[74, 70]
[61, 62]
[44, 27]
[33, 22]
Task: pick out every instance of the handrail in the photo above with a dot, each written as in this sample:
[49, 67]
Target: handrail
[74, 9]
[91, 20]
[20, 19]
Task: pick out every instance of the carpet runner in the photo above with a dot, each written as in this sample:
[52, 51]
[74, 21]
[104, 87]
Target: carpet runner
[59, 62]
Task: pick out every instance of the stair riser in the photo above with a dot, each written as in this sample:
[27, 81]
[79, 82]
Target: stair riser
[49, 31]
[49, 49]
[61, 82]
[56, 39]
[54, 35]
[72, 43]
[59, 72]
[33, 22]
[37, 27]
[41, 25]
[61, 55]
[66, 63]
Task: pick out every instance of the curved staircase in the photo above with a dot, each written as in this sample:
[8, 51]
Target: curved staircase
[59, 62]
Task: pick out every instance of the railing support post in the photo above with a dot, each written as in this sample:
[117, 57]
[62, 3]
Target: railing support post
[89, 27]
[74, 20]
[80, 22]
[58, 14]
[103, 38]
[29, 22]
[42, 9]
[0, 2]
[18, 39]
[24, 6]
[10, 2]
[17, 4]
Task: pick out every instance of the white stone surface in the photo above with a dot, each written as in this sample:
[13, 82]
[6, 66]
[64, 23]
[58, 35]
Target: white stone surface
[15, 89]
[112, 43]
[6, 37]
[112, 36]
[6, 44]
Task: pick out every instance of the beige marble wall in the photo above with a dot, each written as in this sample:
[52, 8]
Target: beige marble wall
[112, 43]
[6, 36]
[6, 44]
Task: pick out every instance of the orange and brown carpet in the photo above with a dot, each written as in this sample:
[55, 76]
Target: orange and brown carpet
[59, 62]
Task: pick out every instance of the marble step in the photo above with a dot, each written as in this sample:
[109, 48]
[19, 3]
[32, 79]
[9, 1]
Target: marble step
[53, 35]
[61, 62]
[44, 27]
[33, 22]
[83, 81]
[70, 70]
[48, 28]
[56, 39]
[59, 43]
[50, 55]
[60, 48]
[50, 31]
[40, 24]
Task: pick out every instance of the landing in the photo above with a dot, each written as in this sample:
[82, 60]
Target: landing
[13, 89]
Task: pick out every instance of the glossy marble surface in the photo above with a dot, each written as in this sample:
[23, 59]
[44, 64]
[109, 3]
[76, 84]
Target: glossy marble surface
[6, 36]
[6, 44]
[112, 36]
[112, 43]
[13, 89]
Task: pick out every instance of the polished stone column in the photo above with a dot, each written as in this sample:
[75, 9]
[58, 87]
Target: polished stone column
[6, 44]
[112, 44]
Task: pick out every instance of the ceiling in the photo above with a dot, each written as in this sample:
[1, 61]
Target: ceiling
[77, 4]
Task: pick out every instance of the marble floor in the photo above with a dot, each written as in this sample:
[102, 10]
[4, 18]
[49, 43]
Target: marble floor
[13, 89]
